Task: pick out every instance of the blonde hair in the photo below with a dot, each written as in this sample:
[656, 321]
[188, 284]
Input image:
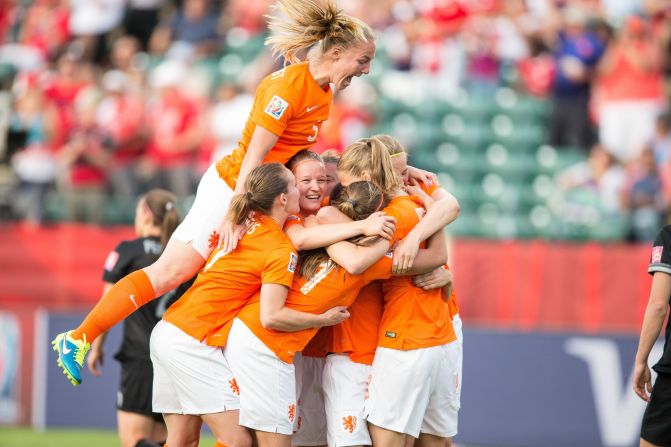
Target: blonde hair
[370, 155]
[263, 184]
[357, 201]
[394, 146]
[163, 207]
[297, 25]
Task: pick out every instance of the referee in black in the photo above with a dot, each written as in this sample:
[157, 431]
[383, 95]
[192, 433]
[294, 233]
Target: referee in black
[656, 425]
[155, 219]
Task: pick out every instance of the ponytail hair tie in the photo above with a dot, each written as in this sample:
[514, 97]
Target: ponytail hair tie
[248, 195]
[351, 202]
[169, 206]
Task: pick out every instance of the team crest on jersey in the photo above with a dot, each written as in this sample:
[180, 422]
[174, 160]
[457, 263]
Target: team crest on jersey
[276, 107]
[111, 260]
[293, 262]
[349, 424]
[656, 255]
[291, 412]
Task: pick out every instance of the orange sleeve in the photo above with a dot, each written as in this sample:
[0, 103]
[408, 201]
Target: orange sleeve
[292, 220]
[380, 270]
[280, 266]
[275, 106]
[403, 224]
[429, 188]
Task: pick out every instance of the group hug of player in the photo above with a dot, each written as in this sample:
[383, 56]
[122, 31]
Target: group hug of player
[320, 313]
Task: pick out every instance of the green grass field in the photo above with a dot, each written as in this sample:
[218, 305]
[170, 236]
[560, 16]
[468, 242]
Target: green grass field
[26, 437]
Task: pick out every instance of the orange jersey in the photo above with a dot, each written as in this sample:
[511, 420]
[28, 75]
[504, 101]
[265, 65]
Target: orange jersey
[413, 318]
[288, 103]
[357, 336]
[330, 286]
[320, 345]
[227, 281]
[452, 303]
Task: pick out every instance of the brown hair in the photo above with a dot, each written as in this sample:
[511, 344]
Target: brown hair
[330, 156]
[301, 157]
[263, 184]
[357, 201]
[163, 207]
[370, 155]
[299, 24]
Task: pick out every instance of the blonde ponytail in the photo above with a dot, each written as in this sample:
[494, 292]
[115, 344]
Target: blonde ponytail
[372, 156]
[297, 25]
[162, 205]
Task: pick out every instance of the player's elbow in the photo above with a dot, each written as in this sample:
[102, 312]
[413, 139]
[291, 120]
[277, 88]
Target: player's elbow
[271, 321]
[453, 209]
[355, 267]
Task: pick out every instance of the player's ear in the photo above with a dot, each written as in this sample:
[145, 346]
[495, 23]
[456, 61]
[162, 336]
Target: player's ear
[365, 175]
[336, 53]
[283, 199]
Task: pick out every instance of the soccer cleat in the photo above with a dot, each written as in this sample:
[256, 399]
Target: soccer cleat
[71, 355]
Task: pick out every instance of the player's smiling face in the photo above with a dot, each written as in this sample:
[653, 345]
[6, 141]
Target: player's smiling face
[352, 62]
[310, 179]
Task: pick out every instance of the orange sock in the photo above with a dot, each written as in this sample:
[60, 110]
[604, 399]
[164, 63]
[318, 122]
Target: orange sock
[219, 444]
[124, 298]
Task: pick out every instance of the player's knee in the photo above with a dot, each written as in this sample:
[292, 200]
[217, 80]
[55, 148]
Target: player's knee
[241, 438]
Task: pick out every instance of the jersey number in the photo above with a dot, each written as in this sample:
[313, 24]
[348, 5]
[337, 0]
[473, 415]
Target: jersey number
[314, 137]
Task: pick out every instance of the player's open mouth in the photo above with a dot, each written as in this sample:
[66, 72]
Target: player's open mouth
[347, 81]
[313, 197]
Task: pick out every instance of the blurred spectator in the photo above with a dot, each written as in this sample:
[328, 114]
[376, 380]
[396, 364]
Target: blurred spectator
[33, 162]
[228, 118]
[125, 57]
[61, 88]
[661, 141]
[175, 130]
[644, 198]
[192, 31]
[592, 187]
[247, 14]
[576, 53]
[91, 21]
[120, 116]
[630, 90]
[141, 18]
[85, 158]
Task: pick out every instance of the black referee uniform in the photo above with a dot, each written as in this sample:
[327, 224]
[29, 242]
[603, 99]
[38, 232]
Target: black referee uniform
[135, 389]
[656, 426]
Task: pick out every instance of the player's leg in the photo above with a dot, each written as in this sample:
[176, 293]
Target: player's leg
[427, 440]
[185, 254]
[226, 429]
[311, 414]
[133, 427]
[183, 430]
[386, 438]
[267, 439]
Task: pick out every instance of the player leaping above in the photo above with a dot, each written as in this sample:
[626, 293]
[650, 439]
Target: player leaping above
[289, 108]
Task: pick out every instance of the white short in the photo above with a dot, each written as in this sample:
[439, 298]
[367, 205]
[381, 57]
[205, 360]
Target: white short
[190, 377]
[456, 323]
[345, 387]
[202, 224]
[415, 391]
[311, 422]
[267, 384]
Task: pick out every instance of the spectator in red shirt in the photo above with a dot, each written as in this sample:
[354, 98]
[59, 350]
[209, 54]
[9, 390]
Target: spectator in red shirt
[176, 132]
[631, 90]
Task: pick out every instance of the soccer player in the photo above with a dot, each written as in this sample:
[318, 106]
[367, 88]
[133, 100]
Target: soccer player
[155, 219]
[656, 425]
[288, 110]
[416, 328]
[273, 327]
[192, 380]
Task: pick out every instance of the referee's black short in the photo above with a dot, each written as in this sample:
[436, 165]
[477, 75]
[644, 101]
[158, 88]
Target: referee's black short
[135, 389]
[656, 426]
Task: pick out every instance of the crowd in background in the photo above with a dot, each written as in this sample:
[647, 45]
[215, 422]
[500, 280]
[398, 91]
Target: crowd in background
[106, 99]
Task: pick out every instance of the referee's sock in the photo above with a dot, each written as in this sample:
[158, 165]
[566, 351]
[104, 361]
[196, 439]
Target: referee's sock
[124, 298]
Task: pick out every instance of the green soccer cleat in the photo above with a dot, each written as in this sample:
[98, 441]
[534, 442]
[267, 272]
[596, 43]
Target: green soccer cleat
[71, 355]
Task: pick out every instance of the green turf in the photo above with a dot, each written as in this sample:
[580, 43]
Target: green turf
[26, 437]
